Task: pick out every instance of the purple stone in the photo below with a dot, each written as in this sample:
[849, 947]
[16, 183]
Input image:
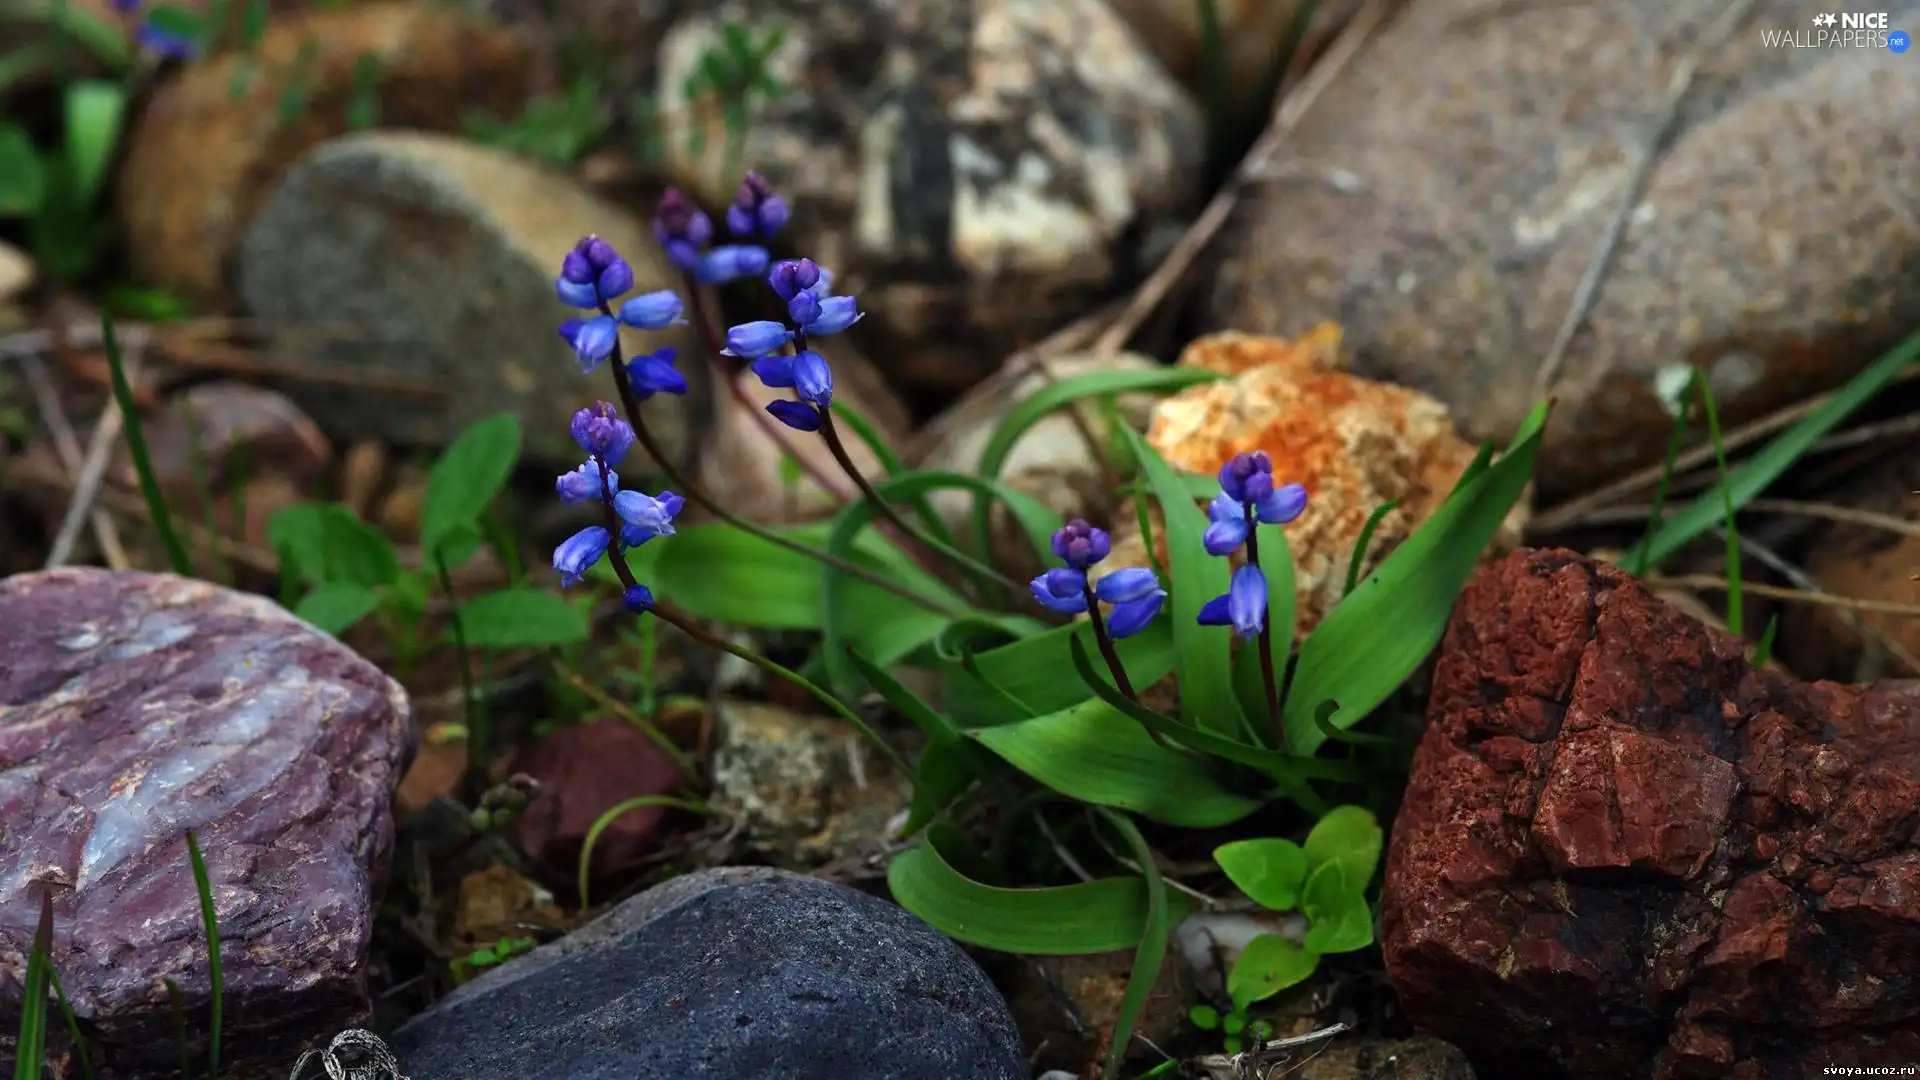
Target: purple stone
[135, 707]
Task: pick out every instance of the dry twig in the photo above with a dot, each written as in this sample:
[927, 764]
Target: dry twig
[66, 445]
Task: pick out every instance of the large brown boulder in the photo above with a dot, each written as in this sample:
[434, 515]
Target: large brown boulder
[1625, 852]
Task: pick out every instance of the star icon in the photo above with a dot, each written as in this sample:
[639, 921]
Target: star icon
[1824, 20]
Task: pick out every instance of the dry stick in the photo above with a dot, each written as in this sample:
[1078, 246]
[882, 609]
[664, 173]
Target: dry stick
[1714, 583]
[1803, 580]
[66, 443]
[1844, 515]
[1258, 162]
[1584, 293]
[1578, 511]
[93, 471]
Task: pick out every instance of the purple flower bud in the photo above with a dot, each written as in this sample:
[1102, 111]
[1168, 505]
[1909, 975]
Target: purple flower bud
[615, 280]
[804, 308]
[756, 339]
[682, 229]
[1080, 545]
[1227, 525]
[797, 415]
[598, 253]
[1062, 590]
[645, 513]
[731, 262]
[836, 314]
[652, 311]
[1235, 473]
[756, 210]
[599, 430]
[584, 483]
[792, 276]
[594, 340]
[654, 373]
[813, 379]
[576, 269]
[638, 599]
[580, 294]
[577, 554]
[774, 372]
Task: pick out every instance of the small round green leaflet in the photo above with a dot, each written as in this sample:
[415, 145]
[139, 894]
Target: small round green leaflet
[1271, 871]
[1341, 920]
[1350, 836]
[1268, 965]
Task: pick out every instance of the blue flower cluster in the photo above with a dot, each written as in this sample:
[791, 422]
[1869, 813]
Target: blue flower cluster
[1134, 592]
[1247, 498]
[811, 310]
[606, 438]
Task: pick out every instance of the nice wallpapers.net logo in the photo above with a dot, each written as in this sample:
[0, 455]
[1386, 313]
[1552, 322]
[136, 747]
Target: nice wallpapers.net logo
[1845, 30]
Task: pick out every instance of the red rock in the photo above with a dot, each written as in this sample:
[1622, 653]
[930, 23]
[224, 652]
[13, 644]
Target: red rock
[585, 770]
[1624, 852]
[135, 707]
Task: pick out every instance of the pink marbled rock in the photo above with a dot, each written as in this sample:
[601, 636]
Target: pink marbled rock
[135, 707]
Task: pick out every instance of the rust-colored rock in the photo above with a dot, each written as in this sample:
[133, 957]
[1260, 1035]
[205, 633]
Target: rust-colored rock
[202, 158]
[1356, 444]
[136, 707]
[1624, 852]
[585, 770]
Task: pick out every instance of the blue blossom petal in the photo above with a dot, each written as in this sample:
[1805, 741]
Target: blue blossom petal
[731, 262]
[1133, 616]
[791, 277]
[1247, 601]
[654, 373]
[1238, 469]
[1282, 505]
[1123, 586]
[583, 484]
[652, 311]
[600, 431]
[1227, 526]
[644, 512]
[803, 308]
[577, 554]
[756, 339]
[775, 372]
[1215, 612]
[576, 268]
[797, 415]
[813, 379]
[836, 314]
[580, 294]
[615, 280]
[594, 340]
[638, 599]
[1061, 590]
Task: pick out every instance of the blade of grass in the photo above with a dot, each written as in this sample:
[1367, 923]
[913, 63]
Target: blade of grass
[179, 1027]
[30, 1051]
[1635, 562]
[137, 450]
[1366, 538]
[1763, 468]
[217, 981]
[612, 813]
[1735, 604]
[1152, 950]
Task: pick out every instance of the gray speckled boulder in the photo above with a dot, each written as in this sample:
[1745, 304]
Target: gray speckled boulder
[135, 707]
[742, 974]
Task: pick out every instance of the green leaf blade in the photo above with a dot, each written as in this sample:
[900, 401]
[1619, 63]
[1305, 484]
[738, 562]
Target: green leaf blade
[468, 477]
[1271, 871]
[522, 619]
[336, 607]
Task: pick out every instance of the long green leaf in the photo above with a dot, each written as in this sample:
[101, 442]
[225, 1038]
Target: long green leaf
[30, 1047]
[94, 108]
[1150, 954]
[1368, 645]
[1035, 519]
[1029, 671]
[137, 450]
[1056, 396]
[521, 618]
[1763, 468]
[1092, 753]
[1068, 920]
[1202, 655]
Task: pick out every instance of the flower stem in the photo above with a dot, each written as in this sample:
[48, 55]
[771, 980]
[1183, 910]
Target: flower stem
[710, 339]
[1107, 650]
[831, 434]
[1267, 678]
[630, 404]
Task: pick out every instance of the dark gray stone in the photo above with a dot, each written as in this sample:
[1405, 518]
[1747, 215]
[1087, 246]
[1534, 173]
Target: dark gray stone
[135, 707]
[746, 974]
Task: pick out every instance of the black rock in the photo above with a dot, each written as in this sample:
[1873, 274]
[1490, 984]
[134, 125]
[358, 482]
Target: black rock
[746, 974]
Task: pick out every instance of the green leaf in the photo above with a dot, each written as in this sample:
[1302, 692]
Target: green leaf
[1368, 645]
[1350, 836]
[334, 607]
[1204, 1017]
[1763, 468]
[461, 543]
[94, 111]
[297, 534]
[950, 762]
[522, 619]
[1149, 955]
[1093, 754]
[1202, 654]
[23, 178]
[1271, 871]
[1058, 395]
[1341, 921]
[354, 550]
[1067, 920]
[1268, 965]
[1033, 515]
[1360, 545]
[468, 476]
[1029, 671]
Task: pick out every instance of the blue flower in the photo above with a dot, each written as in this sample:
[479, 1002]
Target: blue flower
[731, 262]
[791, 277]
[577, 554]
[639, 599]
[805, 373]
[1061, 589]
[652, 311]
[646, 516]
[682, 229]
[803, 308]
[1243, 606]
[1134, 592]
[593, 273]
[654, 373]
[599, 430]
[584, 485]
[797, 415]
[1080, 545]
[1248, 495]
[757, 211]
[593, 340]
[1136, 596]
[756, 339]
[836, 314]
